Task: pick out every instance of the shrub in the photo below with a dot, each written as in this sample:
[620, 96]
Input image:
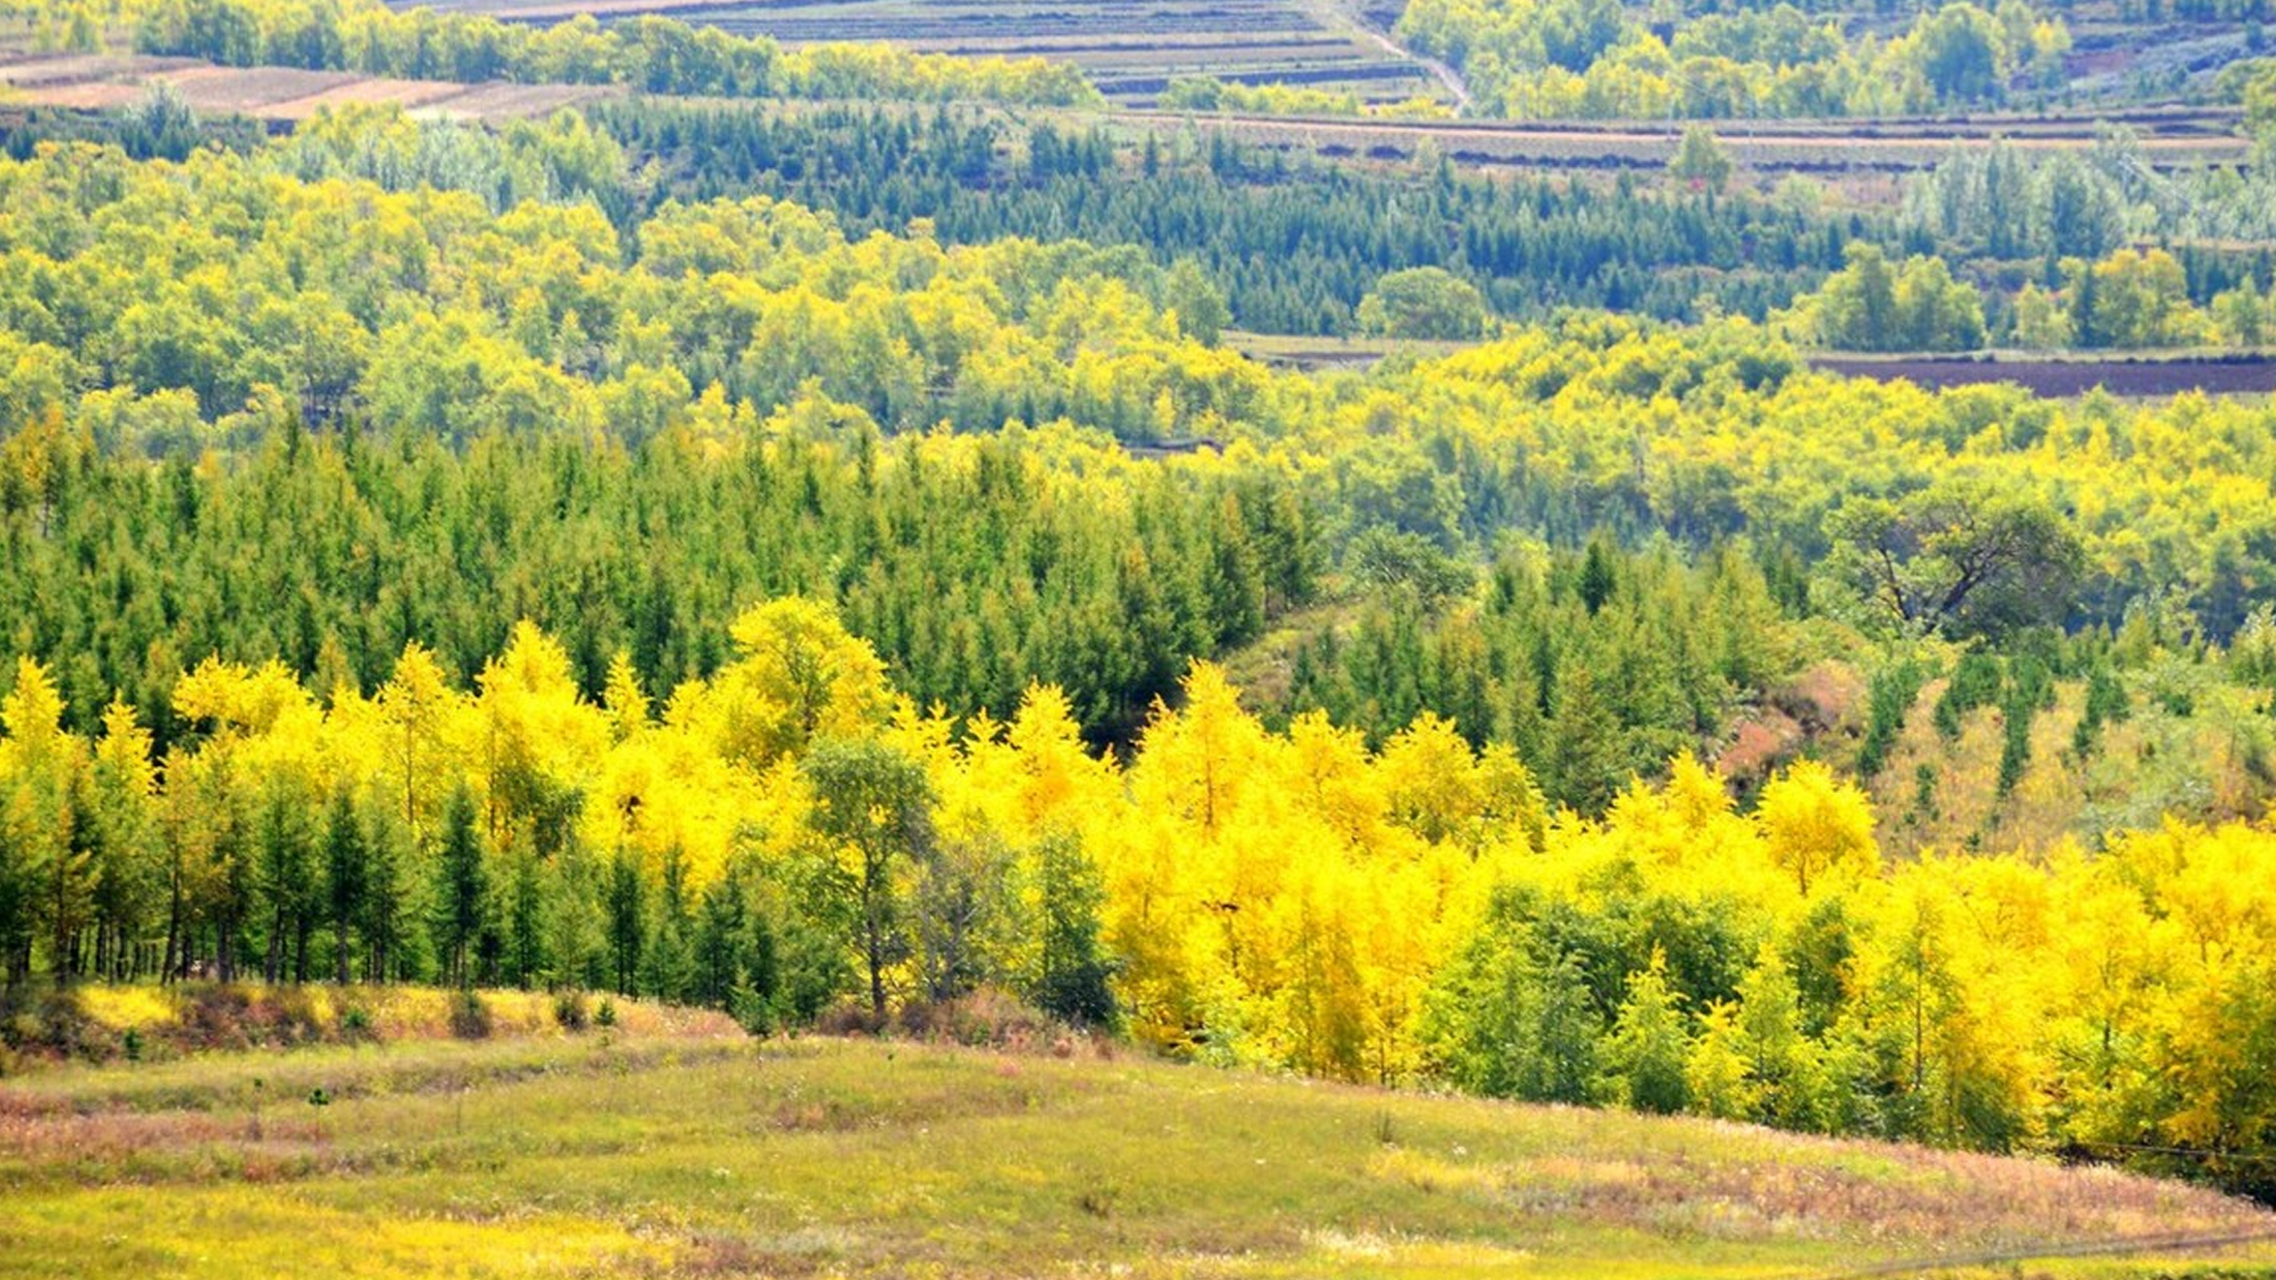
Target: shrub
[469, 1017]
[569, 1010]
[989, 1017]
[848, 1018]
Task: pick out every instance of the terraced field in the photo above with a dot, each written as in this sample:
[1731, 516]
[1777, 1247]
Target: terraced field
[1130, 48]
[2170, 138]
[94, 82]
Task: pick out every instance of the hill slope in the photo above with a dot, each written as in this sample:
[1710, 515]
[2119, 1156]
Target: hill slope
[715, 1156]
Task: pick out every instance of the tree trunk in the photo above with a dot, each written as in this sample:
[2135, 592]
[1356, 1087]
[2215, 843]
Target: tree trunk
[166, 972]
[60, 962]
[874, 945]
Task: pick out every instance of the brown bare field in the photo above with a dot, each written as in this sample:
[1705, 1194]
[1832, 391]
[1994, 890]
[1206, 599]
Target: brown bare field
[1827, 146]
[1315, 353]
[43, 70]
[245, 92]
[2170, 137]
[279, 94]
[1130, 48]
[92, 95]
[503, 101]
[2120, 376]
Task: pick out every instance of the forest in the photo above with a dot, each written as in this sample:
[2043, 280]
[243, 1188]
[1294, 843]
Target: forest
[827, 563]
[1553, 59]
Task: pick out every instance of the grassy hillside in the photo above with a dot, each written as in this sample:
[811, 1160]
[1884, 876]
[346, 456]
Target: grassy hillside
[689, 1153]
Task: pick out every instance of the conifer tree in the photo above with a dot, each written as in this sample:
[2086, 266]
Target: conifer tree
[347, 877]
[462, 889]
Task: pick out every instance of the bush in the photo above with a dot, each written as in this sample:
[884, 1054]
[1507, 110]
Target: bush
[989, 1018]
[469, 1017]
[216, 1018]
[569, 1010]
[605, 1016]
[42, 1020]
[848, 1018]
[287, 1015]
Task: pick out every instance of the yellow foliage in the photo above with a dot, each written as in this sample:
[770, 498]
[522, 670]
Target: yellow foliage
[1820, 828]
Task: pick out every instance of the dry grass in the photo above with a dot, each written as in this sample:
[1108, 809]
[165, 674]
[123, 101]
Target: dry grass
[160, 1024]
[684, 1153]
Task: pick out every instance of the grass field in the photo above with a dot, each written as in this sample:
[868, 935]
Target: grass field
[682, 1151]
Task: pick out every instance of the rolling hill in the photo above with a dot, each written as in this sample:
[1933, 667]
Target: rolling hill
[688, 1152]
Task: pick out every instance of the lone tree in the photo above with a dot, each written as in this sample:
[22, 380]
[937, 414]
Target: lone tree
[1960, 559]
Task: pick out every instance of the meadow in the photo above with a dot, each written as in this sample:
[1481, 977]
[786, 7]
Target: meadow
[670, 1147]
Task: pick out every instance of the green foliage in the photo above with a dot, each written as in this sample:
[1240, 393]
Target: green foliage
[1559, 58]
[1975, 682]
[1073, 967]
[872, 808]
[1700, 159]
[1596, 666]
[2030, 688]
[1513, 1019]
[347, 877]
[1293, 243]
[1423, 302]
[462, 906]
[1867, 306]
[1958, 558]
[2106, 703]
[1889, 699]
[1649, 1046]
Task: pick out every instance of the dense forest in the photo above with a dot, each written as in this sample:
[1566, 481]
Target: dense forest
[823, 563]
[790, 832]
[1296, 245]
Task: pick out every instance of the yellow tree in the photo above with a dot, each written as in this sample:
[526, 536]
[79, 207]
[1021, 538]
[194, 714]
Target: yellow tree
[798, 676]
[1819, 828]
[123, 784]
[419, 712]
[542, 743]
[43, 868]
